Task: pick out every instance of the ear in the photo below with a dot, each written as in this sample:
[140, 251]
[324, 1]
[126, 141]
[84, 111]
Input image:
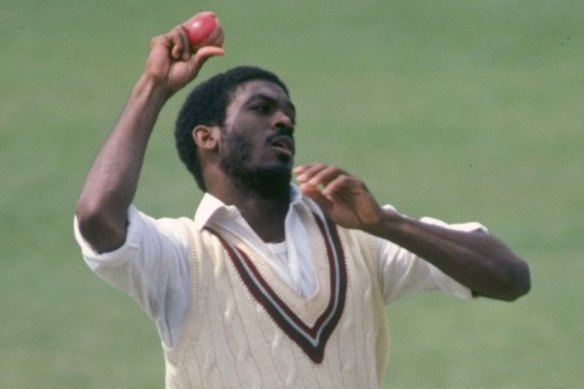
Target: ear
[206, 137]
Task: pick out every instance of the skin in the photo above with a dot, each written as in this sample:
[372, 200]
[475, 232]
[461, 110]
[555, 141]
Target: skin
[261, 114]
[112, 180]
[475, 259]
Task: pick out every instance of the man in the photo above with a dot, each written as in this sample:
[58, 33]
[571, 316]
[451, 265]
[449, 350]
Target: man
[271, 285]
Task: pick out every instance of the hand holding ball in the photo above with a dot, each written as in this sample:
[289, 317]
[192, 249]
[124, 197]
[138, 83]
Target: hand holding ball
[204, 29]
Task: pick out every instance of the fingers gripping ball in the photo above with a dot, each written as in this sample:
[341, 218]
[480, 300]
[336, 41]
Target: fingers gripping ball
[204, 29]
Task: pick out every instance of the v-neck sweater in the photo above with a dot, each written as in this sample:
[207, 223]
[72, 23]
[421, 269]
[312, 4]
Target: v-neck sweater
[246, 328]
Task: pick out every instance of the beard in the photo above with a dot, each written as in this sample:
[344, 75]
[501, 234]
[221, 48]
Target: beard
[268, 182]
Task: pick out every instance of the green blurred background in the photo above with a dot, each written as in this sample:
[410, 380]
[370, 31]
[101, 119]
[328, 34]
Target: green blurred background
[459, 110]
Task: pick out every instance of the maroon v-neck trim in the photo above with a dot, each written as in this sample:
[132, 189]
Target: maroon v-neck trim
[311, 339]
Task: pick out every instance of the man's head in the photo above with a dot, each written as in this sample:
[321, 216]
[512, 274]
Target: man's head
[208, 104]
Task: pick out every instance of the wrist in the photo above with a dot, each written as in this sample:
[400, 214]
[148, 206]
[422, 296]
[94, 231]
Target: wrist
[388, 222]
[151, 88]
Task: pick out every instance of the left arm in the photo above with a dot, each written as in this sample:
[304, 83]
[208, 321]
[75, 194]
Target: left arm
[475, 259]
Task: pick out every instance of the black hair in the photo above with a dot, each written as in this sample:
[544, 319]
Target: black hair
[207, 105]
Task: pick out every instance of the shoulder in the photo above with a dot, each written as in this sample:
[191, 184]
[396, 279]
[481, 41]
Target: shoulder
[146, 228]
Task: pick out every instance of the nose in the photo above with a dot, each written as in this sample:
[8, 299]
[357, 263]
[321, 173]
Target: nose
[282, 121]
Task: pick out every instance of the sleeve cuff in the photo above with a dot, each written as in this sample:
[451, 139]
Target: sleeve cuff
[466, 227]
[123, 252]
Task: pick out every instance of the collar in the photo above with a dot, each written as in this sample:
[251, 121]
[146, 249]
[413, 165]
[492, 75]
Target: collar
[211, 208]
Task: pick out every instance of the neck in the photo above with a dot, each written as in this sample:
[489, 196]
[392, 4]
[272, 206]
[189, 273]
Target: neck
[265, 212]
[266, 217]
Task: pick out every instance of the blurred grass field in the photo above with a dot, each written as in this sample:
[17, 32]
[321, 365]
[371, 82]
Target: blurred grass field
[459, 110]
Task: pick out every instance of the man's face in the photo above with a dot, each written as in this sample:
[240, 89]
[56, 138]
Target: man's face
[257, 145]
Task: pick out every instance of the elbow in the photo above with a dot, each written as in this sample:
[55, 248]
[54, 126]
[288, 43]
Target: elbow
[524, 285]
[519, 283]
[510, 284]
[102, 230]
[90, 219]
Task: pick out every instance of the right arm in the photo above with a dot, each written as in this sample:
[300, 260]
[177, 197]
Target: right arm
[111, 183]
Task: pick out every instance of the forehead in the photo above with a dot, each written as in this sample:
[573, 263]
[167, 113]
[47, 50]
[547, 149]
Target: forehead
[258, 89]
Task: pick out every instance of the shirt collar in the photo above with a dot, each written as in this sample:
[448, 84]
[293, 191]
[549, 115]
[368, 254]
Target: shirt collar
[211, 207]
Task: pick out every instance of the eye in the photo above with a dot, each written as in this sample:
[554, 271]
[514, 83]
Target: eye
[261, 108]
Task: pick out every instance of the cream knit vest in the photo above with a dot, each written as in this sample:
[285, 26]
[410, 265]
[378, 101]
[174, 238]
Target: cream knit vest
[247, 329]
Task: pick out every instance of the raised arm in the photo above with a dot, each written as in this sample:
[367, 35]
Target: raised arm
[111, 183]
[475, 259]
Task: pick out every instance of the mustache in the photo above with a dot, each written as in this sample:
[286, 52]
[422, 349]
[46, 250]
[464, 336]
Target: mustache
[282, 132]
[288, 131]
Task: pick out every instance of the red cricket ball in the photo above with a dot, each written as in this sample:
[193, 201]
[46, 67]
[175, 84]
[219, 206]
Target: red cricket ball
[204, 29]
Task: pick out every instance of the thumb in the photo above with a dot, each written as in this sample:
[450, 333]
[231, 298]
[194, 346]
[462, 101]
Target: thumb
[204, 53]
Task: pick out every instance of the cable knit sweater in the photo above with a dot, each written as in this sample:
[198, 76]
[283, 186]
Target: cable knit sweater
[247, 329]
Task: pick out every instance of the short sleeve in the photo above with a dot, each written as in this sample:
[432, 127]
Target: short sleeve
[151, 266]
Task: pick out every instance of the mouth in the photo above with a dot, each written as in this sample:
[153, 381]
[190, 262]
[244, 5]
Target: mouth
[283, 143]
